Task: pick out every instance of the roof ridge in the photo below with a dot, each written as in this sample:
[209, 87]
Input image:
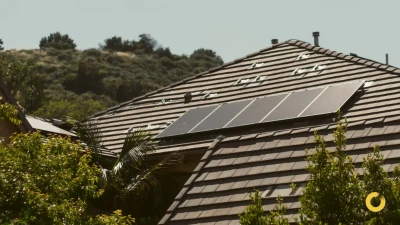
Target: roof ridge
[110, 109]
[349, 58]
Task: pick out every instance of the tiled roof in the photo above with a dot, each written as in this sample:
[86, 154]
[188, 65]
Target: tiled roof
[279, 65]
[267, 157]
[219, 188]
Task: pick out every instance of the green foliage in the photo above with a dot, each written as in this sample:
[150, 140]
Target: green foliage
[49, 181]
[131, 177]
[1, 44]
[376, 179]
[115, 218]
[62, 109]
[334, 193]
[254, 213]
[121, 71]
[146, 44]
[26, 86]
[45, 182]
[10, 113]
[57, 41]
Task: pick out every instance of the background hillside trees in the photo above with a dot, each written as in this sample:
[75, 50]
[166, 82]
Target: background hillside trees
[56, 81]
[57, 41]
[1, 44]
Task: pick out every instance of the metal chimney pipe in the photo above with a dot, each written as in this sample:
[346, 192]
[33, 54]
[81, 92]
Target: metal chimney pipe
[316, 41]
[274, 41]
[387, 59]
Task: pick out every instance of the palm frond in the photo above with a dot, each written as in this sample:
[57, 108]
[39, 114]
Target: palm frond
[148, 178]
[90, 135]
[137, 145]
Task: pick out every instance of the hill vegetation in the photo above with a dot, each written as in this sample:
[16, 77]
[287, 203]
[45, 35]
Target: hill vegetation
[57, 81]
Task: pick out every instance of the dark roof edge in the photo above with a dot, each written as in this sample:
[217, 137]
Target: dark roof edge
[350, 58]
[189, 183]
[184, 80]
[25, 124]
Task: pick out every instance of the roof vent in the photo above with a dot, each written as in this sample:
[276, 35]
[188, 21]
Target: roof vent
[187, 97]
[316, 41]
[274, 41]
[57, 122]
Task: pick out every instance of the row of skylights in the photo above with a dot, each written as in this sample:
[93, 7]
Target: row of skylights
[296, 104]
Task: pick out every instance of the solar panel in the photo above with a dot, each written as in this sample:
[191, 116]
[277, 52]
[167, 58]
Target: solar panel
[293, 105]
[256, 111]
[286, 106]
[221, 116]
[187, 121]
[332, 99]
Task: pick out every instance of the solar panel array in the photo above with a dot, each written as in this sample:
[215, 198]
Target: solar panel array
[296, 104]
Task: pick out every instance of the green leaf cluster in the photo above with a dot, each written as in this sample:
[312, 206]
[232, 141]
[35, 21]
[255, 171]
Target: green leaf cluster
[48, 181]
[10, 113]
[254, 213]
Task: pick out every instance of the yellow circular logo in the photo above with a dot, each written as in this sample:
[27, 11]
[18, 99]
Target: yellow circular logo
[370, 206]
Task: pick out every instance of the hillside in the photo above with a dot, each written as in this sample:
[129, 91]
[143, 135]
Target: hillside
[53, 82]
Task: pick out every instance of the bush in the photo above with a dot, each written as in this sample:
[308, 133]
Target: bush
[57, 41]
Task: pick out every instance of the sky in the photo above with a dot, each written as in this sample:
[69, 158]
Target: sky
[231, 28]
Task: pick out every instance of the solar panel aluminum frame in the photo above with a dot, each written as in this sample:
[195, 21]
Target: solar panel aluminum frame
[360, 86]
[285, 99]
[173, 123]
[300, 115]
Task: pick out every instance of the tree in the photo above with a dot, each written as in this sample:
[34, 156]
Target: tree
[334, 193]
[117, 44]
[147, 43]
[58, 41]
[254, 213]
[131, 175]
[376, 179]
[206, 55]
[48, 181]
[1, 44]
[26, 86]
[79, 108]
[9, 112]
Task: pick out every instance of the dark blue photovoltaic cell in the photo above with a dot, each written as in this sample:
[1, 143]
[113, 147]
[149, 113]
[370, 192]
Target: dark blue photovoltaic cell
[221, 116]
[187, 121]
[332, 99]
[317, 101]
[257, 110]
[293, 105]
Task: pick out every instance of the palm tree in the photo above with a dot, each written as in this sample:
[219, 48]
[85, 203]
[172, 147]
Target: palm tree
[130, 173]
